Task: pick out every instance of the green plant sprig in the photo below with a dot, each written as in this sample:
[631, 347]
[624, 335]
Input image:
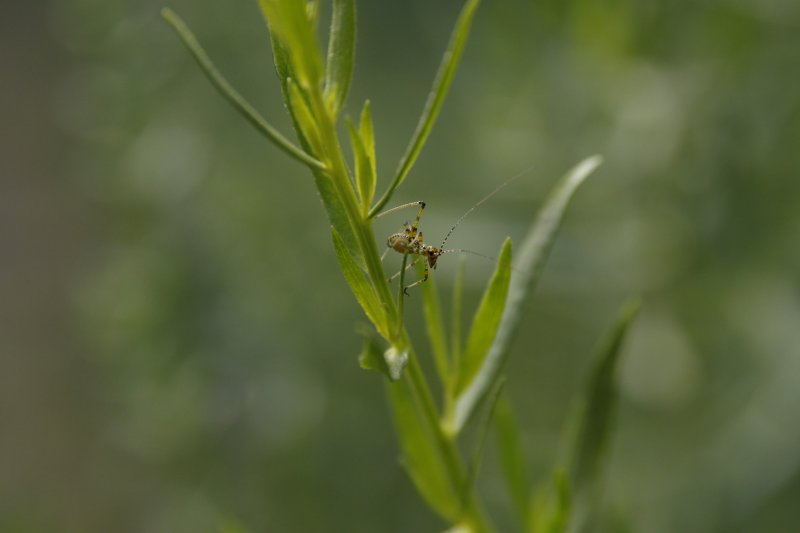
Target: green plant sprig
[314, 87]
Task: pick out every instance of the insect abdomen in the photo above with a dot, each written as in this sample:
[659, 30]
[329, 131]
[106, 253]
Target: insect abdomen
[398, 242]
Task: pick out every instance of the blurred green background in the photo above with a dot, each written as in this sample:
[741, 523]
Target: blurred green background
[176, 342]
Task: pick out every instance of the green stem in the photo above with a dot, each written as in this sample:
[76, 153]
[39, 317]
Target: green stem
[417, 383]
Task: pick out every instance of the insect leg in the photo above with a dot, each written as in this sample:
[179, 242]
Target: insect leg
[396, 274]
[419, 215]
[399, 207]
[423, 280]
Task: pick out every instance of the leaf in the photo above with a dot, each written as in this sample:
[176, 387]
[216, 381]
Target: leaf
[532, 257]
[367, 132]
[441, 85]
[434, 323]
[512, 460]
[361, 287]
[234, 98]
[304, 118]
[288, 20]
[593, 421]
[341, 52]
[486, 321]
[422, 457]
[365, 179]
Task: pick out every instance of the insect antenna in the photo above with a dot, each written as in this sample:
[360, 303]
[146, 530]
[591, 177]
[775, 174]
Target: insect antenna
[463, 251]
[471, 209]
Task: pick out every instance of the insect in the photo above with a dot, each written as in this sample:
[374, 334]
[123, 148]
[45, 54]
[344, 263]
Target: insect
[409, 239]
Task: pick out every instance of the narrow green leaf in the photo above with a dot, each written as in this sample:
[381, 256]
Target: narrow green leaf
[283, 69]
[595, 413]
[532, 257]
[486, 321]
[288, 20]
[234, 98]
[337, 215]
[341, 52]
[365, 179]
[433, 105]
[422, 456]
[367, 132]
[434, 323]
[361, 287]
[480, 440]
[512, 460]
[305, 118]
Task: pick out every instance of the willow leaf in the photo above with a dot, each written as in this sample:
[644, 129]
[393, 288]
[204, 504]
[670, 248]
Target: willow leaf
[441, 85]
[232, 95]
[360, 285]
[532, 257]
[422, 457]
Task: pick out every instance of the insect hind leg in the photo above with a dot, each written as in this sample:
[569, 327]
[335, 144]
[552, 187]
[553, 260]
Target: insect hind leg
[420, 203]
[419, 281]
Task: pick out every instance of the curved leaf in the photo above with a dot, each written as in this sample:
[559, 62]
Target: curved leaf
[360, 285]
[236, 100]
[294, 29]
[441, 85]
[422, 457]
[533, 254]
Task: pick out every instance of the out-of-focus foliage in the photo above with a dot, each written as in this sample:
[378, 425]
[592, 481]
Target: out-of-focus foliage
[219, 332]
